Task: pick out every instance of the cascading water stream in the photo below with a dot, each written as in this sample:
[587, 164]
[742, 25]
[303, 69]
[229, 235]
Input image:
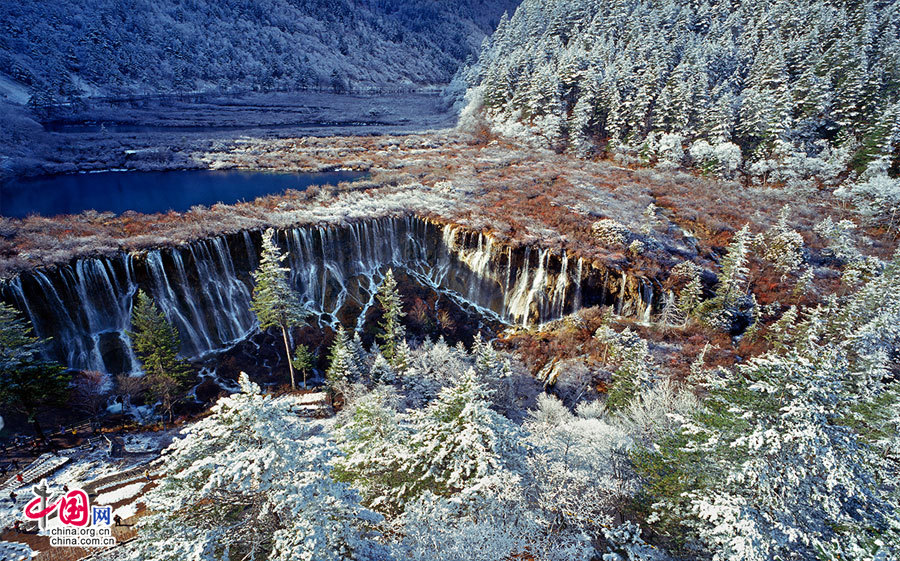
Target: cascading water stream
[204, 288]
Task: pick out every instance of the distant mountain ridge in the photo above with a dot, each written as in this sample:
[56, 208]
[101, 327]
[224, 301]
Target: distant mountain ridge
[114, 47]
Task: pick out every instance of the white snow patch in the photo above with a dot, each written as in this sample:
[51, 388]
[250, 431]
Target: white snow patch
[13, 91]
[126, 492]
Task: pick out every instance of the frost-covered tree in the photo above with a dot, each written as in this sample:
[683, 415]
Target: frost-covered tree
[252, 481]
[371, 440]
[382, 372]
[577, 466]
[457, 441]
[782, 246]
[733, 80]
[629, 357]
[274, 302]
[731, 289]
[393, 334]
[341, 368]
[785, 459]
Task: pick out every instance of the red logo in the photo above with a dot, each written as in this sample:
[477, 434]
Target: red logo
[73, 507]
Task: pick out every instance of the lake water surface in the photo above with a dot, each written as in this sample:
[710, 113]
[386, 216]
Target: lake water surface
[151, 191]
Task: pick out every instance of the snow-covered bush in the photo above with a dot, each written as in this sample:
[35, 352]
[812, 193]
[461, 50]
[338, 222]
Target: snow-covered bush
[577, 467]
[876, 195]
[669, 151]
[636, 247]
[723, 158]
[610, 232]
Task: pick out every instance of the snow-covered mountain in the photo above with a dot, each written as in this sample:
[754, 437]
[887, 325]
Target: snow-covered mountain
[101, 47]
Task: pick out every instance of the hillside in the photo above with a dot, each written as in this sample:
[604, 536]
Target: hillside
[105, 47]
[778, 91]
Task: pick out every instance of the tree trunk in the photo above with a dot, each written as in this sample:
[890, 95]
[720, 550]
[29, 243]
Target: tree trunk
[37, 429]
[287, 353]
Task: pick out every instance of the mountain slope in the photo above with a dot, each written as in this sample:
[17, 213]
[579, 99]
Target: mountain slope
[774, 77]
[101, 47]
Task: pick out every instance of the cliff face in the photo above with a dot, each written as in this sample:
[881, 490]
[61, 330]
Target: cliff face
[204, 287]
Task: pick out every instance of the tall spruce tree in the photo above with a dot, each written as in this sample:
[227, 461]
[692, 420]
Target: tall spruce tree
[393, 334]
[27, 382]
[155, 342]
[274, 302]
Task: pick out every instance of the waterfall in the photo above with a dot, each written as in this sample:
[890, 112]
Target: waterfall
[204, 288]
[83, 309]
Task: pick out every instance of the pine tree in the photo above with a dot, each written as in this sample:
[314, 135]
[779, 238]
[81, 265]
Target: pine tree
[734, 271]
[632, 365]
[359, 356]
[28, 383]
[393, 334]
[382, 372]
[274, 302]
[340, 362]
[457, 440]
[302, 360]
[718, 310]
[690, 297]
[156, 343]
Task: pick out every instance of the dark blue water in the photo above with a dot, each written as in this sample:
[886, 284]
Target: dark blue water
[150, 191]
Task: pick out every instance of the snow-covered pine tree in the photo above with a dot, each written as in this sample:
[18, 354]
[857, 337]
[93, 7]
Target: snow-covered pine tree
[393, 334]
[787, 456]
[341, 368]
[359, 356]
[719, 310]
[457, 441]
[631, 363]
[252, 480]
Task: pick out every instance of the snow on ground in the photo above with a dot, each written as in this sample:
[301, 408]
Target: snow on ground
[120, 494]
[88, 464]
[126, 511]
[14, 551]
[13, 91]
[147, 441]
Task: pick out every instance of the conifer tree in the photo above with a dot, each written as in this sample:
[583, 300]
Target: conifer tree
[457, 440]
[393, 334]
[631, 363]
[274, 302]
[734, 271]
[689, 297]
[156, 343]
[28, 383]
[340, 361]
[359, 355]
[302, 360]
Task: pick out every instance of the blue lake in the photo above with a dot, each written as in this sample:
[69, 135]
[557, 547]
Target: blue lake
[151, 191]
